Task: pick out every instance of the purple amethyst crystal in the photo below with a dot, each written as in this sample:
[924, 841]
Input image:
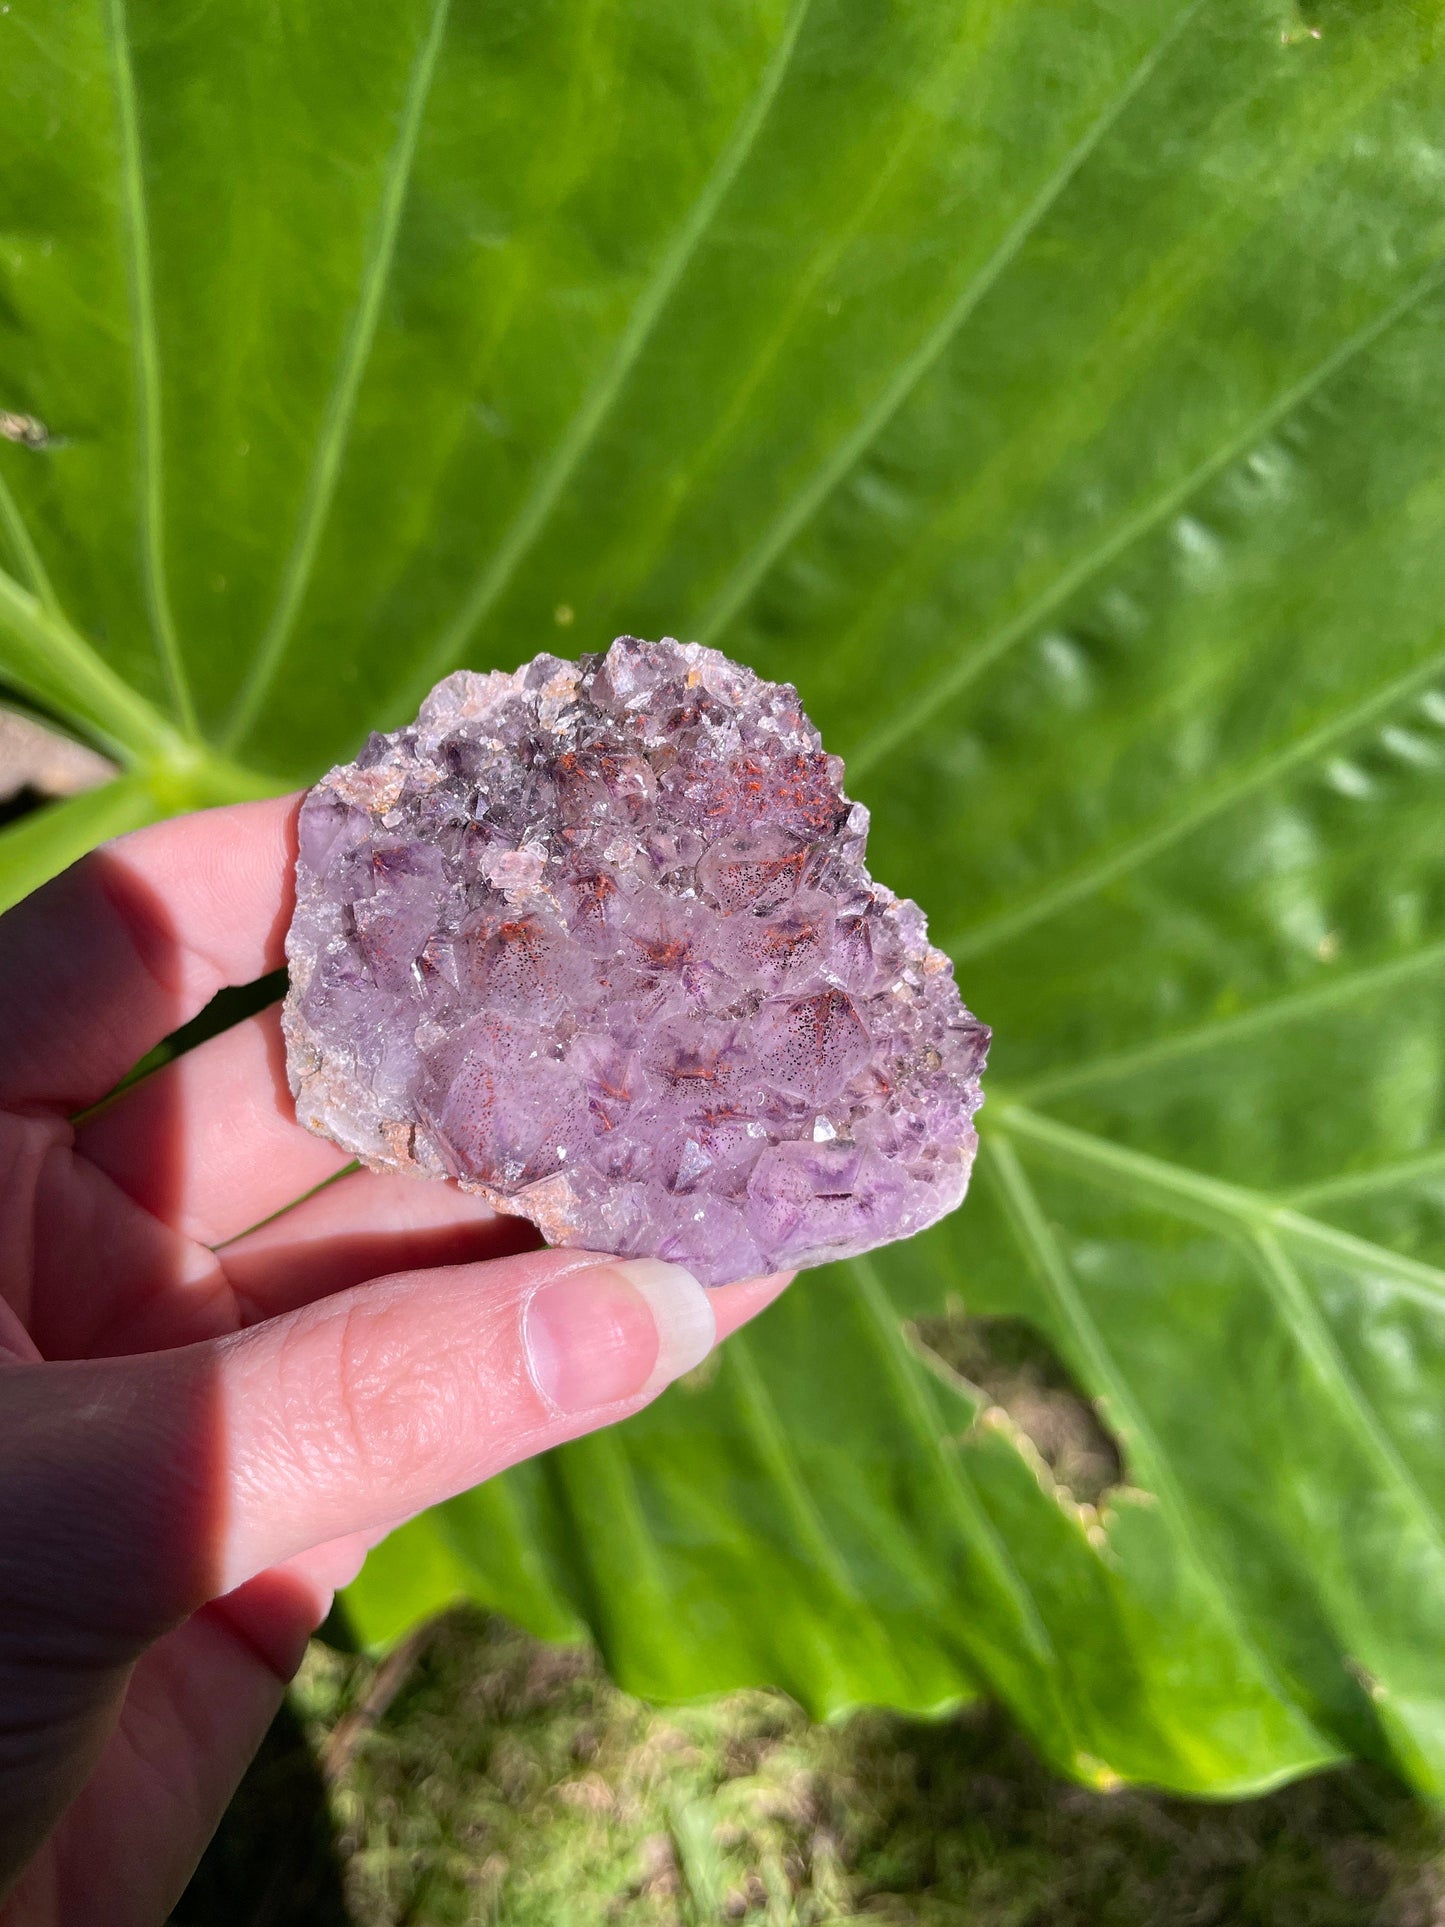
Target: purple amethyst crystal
[596, 940]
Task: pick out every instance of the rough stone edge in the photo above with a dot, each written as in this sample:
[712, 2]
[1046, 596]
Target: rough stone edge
[550, 1203]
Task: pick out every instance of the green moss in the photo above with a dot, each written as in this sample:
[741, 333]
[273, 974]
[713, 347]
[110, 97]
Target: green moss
[481, 1777]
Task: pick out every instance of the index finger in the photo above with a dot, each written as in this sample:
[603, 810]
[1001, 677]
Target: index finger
[135, 939]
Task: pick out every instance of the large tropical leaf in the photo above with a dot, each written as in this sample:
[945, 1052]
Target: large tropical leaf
[1053, 390]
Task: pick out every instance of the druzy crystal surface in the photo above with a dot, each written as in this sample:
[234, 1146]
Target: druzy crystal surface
[596, 940]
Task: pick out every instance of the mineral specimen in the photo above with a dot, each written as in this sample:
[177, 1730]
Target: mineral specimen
[597, 941]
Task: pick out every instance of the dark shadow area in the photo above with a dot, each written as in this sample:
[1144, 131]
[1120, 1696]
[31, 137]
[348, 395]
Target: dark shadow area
[84, 982]
[477, 1774]
[21, 803]
[337, 1631]
[963, 1816]
[273, 1862]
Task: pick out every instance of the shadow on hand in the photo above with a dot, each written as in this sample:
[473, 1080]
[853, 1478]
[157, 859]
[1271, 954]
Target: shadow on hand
[273, 1861]
[114, 1496]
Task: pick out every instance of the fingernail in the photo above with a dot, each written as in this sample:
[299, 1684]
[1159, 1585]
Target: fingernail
[613, 1332]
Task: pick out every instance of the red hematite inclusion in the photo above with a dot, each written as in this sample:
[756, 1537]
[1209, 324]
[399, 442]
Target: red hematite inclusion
[596, 940]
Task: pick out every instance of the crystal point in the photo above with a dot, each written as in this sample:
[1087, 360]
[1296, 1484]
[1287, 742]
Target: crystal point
[597, 941]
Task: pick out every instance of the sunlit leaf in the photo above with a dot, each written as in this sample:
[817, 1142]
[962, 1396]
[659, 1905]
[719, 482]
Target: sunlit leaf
[1054, 393]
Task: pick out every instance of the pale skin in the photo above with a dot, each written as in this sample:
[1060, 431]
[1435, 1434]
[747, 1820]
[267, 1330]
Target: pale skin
[204, 1425]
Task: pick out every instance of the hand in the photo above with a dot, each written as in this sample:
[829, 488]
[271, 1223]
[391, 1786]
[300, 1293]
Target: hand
[209, 1412]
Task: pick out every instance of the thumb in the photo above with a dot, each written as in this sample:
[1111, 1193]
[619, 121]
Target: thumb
[134, 1490]
[362, 1409]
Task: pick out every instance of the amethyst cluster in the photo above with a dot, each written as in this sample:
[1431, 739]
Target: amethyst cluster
[596, 940]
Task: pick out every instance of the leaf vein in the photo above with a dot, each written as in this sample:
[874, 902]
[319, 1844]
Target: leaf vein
[1362, 1184]
[37, 580]
[1338, 988]
[1040, 1248]
[911, 717]
[1083, 882]
[972, 1520]
[146, 348]
[587, 422]
[1214, 1200]
[775, 1448]
[805, 503]
[917, 110]
[336, 423]
[51, 660]
[1310, 1332]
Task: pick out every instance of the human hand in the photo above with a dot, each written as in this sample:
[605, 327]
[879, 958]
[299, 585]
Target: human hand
[208, 1412]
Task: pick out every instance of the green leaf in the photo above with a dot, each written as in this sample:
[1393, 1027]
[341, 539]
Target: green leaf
[38, 846]
[1053, 390]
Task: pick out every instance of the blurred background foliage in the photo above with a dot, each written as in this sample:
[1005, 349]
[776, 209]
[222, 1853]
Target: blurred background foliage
[478, 1776]
[1051, 390]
